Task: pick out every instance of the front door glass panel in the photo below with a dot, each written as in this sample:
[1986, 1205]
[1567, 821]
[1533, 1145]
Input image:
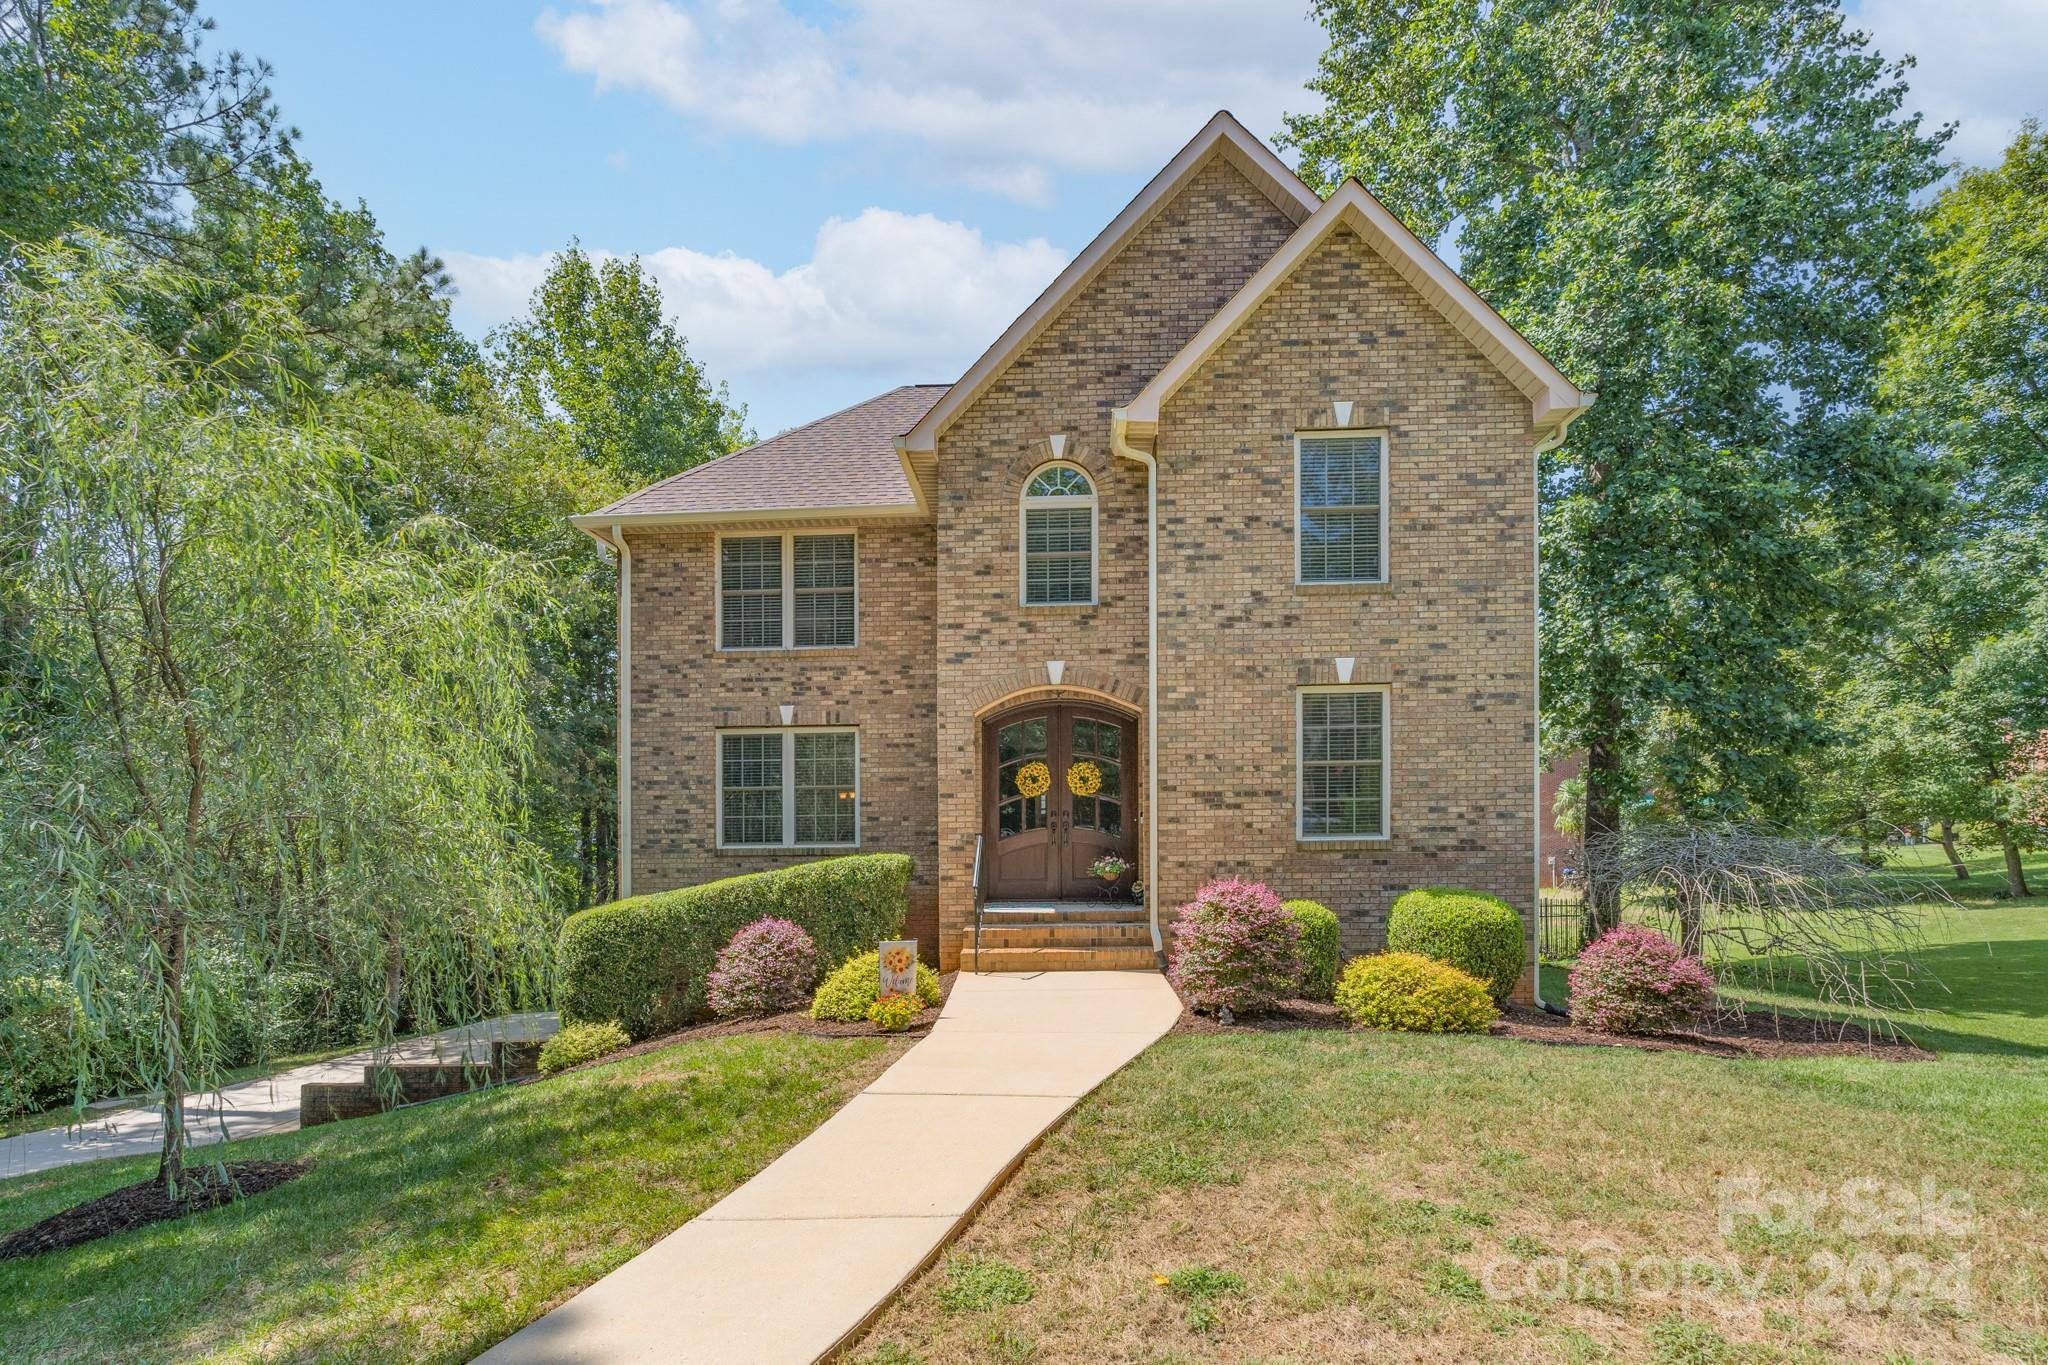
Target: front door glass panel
[1016, 747]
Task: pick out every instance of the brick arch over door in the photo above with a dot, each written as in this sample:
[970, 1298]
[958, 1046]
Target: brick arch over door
[1077, 681]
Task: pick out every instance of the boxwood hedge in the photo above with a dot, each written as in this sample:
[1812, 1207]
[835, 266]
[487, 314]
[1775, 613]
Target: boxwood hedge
[643, 962]
[1318, 948]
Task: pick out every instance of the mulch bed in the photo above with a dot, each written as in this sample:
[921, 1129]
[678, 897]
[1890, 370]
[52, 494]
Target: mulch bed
[143, 1203]
[793, 1021]
[1751, 1035]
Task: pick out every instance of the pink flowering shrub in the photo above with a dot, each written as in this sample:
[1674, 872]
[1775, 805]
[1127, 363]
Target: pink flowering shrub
[1235, 946]
[767, 967]
[1635, 980]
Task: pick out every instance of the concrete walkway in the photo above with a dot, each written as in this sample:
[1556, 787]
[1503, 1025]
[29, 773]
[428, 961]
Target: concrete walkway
[266, 1104]
[788, 1265]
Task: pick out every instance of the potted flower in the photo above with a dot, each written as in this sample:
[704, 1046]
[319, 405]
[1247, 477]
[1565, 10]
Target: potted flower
[1110, 869]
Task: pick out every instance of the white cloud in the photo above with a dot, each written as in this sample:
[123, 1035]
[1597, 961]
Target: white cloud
[999, 96]
[900, 297]
[1979, 64]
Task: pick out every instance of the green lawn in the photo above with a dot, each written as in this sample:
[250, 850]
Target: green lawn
[1983, 964]
[1319, 1196]
[426, 1234]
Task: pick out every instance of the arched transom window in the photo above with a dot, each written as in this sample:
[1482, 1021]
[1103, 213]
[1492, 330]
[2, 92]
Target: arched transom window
[1058, 532]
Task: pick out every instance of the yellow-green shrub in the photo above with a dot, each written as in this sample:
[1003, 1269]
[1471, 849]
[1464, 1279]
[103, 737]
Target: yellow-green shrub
[644, 962]
[580, 1043]
[844, 996]
[1413, 994]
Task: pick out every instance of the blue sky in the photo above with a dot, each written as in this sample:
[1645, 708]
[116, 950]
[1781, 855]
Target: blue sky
[839, 198]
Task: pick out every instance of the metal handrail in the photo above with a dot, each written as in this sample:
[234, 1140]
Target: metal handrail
[979, 899]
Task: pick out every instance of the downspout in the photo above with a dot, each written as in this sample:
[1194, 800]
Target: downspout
[1120, 445]
[1543, 447]
[615, 536]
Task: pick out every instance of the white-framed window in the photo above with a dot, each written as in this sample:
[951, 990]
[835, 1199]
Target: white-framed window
[788, 591]
[792, 787]
[1056, 534]
[1342, 784]
[1340, 497]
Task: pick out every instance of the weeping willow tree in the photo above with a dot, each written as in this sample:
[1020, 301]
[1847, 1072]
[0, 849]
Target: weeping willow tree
[236, 718]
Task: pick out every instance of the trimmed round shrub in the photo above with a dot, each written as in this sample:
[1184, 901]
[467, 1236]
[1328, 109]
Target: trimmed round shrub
[1470, 930]
[1235, 947]
[1635, 980]
[645, 963]
[845, 996]
[1411, 993]
[1318, 947]
[894, 1013]
[768, 967]
[580, 1043]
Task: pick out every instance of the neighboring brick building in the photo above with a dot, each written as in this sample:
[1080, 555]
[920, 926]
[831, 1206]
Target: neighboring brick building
[928, 623]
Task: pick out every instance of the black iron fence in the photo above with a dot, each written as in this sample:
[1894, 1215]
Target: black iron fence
[1560, 927]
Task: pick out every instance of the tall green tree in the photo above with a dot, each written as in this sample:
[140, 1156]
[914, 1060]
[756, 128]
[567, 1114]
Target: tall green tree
[594, 354]
[251, 717]
[1703, 212]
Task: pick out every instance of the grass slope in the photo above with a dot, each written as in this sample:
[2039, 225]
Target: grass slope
[426, 1234]
[1316, 1196]
[1983, 963]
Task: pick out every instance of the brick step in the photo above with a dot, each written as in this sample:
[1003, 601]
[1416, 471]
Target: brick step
[1058, 960]
[1057, 935]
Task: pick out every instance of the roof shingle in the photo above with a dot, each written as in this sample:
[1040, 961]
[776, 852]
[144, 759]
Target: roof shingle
[845, 460]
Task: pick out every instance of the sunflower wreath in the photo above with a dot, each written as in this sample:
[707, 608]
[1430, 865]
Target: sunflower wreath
[1034, 779]
[1084, 779]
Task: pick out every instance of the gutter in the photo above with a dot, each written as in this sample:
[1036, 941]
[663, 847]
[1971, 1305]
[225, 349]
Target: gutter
[615, 536]
[1119, 442]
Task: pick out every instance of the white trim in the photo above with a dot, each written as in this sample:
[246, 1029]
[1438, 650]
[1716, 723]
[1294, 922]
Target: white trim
[1554, 400]
[1386, 766]
[1026, 504]
[1386, 550]
[789, 539]
[1123, 447]
[595, 522]
[1224, 135]
[789, 734]
[622, 764]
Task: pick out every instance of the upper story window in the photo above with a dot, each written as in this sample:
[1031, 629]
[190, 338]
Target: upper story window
[1341, 751]
[1058, 533]
[1341, 513]
[787, 592]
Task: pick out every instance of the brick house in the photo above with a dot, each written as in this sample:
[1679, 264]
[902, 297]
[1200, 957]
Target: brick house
[1221, 559]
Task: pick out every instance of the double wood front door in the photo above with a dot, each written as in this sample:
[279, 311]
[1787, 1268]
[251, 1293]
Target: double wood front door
[1058, 793]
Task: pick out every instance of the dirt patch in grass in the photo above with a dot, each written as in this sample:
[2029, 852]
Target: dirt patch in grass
[1287, 1017]
[1752, 1034]
[143, 1203]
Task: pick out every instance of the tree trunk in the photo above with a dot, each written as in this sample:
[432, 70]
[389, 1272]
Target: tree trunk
[2015, 873]
[1947, 833]
[394, 977]
[170, 1168]
[1603, 814]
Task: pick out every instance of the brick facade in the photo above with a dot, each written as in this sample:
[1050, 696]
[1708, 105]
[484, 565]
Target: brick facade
[1111, 337]
[684, 691]
[944, 640]
[1452, 634]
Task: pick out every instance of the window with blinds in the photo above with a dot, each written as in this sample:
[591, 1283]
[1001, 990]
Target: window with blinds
[788, 788]
[1342, 752]
[1058, 535]
[787, 592]
[1341, 483]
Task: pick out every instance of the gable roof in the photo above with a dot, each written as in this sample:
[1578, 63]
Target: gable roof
[845, 463]
[1221, 135]
[1553, 400]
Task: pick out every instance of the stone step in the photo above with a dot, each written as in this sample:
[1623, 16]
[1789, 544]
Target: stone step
[1062, 913]
[1064, 936]
[1057, 959]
